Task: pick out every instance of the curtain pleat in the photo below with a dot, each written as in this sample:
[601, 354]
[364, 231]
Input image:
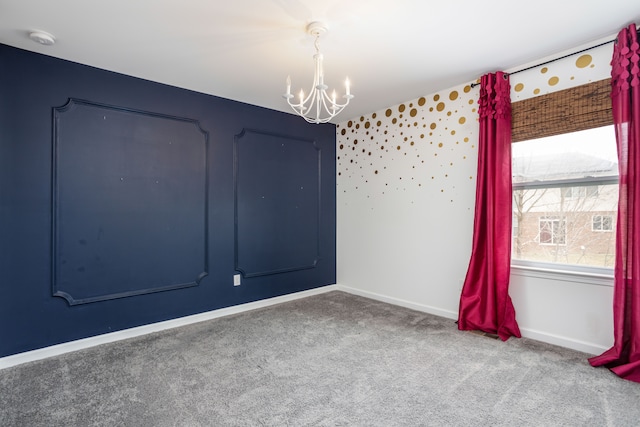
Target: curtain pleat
[624, 357]
[484, 302]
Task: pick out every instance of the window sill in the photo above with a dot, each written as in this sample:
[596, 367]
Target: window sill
[587, 278]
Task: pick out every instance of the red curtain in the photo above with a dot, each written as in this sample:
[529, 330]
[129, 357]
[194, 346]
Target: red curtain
[624, 357]
[485, 303]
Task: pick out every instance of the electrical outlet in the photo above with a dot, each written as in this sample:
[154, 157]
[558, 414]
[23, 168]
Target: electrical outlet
[236, 280]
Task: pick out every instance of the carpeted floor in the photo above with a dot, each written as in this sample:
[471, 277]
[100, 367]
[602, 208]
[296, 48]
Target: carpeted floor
[329, 360]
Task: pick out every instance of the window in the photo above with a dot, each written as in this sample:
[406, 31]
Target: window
[602, 223]
[552, 230]
[577, 192]
[565, 197]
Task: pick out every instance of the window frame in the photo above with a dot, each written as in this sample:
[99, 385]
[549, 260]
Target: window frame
[602, 222]
[570, 110]
[556, 221]
[589, 191]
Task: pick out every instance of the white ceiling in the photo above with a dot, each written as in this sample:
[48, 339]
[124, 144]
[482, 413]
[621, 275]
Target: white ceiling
[392, 51]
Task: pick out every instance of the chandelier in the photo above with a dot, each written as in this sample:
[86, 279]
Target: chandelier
[317, 106]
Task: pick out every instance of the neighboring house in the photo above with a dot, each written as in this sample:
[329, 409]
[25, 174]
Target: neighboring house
[564, 209]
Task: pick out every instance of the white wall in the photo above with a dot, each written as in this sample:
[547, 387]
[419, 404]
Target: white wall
[406, 193]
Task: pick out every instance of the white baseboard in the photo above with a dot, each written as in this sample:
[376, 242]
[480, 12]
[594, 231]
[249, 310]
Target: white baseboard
[67, 347]
[402, 303]
[561, 341]
[55, 350]
[527, 333]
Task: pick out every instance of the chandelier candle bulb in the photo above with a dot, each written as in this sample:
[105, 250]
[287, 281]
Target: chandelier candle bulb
[348, 86]
[288, 85]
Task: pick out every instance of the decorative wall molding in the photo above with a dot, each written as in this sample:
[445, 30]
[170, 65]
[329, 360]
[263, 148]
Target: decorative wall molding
[129, 202]
[278, 204]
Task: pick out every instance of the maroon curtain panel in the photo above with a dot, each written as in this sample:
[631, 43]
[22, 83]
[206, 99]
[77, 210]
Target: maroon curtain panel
[624, 357]
[485, 303]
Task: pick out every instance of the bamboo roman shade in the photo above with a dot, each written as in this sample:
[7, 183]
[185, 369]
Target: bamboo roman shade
[570, 110]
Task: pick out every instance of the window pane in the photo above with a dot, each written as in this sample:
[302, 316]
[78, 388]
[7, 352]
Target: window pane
[597, 222]
[579, 155]
[565, 200]
[545, 233]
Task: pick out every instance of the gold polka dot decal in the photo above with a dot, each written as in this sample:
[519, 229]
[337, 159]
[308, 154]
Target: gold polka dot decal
[399, 148]
[426, 148]
[584, 61]
[564, 73]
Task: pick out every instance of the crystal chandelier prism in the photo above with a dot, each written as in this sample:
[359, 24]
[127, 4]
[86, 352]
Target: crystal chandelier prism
[318, 106]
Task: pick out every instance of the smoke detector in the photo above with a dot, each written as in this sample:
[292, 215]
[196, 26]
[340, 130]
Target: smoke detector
[42, 38]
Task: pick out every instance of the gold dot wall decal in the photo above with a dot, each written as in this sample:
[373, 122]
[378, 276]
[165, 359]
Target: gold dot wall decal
[584, 61]
[574, 70]
[404, 169]
[425, 149]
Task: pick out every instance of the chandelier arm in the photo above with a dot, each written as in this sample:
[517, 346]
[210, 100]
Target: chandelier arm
[310, 101]
[303, 102]
[335, 103]
[330, 110]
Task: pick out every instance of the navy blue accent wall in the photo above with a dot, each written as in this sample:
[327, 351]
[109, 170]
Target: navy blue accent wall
[125, 202]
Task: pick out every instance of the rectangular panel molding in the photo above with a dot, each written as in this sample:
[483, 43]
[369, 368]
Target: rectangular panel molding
[129, 202]
[277, 181]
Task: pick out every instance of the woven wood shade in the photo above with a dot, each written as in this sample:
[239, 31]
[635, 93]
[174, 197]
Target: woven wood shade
[570, 110]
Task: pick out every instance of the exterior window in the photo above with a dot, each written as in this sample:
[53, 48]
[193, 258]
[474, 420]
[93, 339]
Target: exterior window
[602, 223]
[577, 192]
[565, 199]
[552, 231]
